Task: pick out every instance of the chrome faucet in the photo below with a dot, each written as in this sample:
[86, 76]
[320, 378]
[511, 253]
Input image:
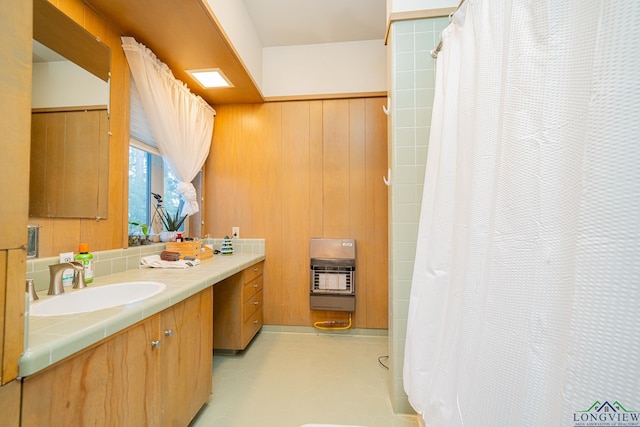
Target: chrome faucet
[78, 275]
[55, 277]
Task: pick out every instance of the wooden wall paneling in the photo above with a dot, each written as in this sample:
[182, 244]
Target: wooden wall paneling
[263, 151]
[316, 223]
[377, 216]
[278, 167]
[79, 126]
[103, 173]
[294, 284]
[254, 154]
[316, 194]
[38, 162]
[111, 233]
[97, 26]
[116, 225]
[95, 231]
[262, 130]
[66, 235]
[357, 205]
[222, 171]
[55, 137]
[335, 145]
[72, 8]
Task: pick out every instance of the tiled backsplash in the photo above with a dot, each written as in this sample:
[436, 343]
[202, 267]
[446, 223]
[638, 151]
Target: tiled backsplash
[117, 260]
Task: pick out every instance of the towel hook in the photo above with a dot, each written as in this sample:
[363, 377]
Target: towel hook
[387, 180]
[386, 108]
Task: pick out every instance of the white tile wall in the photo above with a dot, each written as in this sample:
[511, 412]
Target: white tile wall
[412, 90]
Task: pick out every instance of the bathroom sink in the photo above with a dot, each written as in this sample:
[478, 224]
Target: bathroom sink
[91, 299]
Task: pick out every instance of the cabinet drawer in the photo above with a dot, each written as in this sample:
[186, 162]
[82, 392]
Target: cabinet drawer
[252, 305]
[254, 271]
[251, 326]
[251, 288]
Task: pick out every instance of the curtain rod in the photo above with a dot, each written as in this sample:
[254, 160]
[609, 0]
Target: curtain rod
[436, 50]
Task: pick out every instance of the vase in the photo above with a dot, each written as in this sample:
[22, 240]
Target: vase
[168, 236]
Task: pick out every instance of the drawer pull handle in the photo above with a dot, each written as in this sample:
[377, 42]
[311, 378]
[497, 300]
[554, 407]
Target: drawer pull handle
[256, 303]
[168, 333]
[155, 343]
[255, 285]
[256, 269]
[255, 322]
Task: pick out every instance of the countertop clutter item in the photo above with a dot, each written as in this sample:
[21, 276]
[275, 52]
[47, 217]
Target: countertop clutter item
[190, 248]
[170, 256]
[87, 261]
[226, 248]
[154, 261]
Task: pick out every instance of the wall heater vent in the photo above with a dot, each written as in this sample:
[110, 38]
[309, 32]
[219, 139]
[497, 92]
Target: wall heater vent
[332, 278]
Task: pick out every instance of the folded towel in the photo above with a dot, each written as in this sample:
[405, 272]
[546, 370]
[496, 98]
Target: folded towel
[154, 261]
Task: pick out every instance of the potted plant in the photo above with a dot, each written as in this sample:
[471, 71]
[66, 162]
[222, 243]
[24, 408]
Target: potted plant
[136, 239]
[170, 223]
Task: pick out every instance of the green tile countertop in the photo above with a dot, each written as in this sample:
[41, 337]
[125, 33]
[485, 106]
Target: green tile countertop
[51, 339]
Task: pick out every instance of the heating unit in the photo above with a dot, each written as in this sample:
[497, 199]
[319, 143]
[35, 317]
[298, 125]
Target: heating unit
[333, 274]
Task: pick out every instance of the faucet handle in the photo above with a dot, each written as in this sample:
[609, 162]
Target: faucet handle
[31, 290]
[78, 275]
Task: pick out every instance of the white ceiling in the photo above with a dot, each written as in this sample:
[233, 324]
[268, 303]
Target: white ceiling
[298, 22]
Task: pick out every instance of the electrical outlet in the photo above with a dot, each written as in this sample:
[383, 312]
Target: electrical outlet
[235, 232]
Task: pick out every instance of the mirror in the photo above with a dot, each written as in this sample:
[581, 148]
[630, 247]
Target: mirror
[69, 175]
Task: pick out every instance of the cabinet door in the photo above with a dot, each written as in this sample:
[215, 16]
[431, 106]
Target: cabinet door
[10, 404]
[113, 383]
[186, 358]
[12, 276]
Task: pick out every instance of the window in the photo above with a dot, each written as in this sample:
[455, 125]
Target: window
[148, 172]
[139, 186]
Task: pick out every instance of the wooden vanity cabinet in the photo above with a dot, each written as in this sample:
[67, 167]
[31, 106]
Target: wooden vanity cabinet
[155, 373]
[237, 314]
[186, 358]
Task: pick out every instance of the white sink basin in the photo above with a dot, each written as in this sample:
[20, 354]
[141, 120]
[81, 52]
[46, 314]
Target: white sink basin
[91, 299]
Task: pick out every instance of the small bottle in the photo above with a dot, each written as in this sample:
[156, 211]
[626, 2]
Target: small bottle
[87, 260]
[179, 237]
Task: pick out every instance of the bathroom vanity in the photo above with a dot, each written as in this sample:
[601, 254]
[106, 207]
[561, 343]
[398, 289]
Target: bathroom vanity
[237, 317]
[157, 372]
[153, 365]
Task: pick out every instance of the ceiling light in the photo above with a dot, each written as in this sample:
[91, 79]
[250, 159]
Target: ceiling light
[210, 78]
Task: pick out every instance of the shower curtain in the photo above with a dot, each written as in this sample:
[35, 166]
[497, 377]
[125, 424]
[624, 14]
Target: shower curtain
[526, 287]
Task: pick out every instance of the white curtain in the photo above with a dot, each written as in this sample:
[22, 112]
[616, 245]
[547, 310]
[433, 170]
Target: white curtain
[526, 287]
[181, 122]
